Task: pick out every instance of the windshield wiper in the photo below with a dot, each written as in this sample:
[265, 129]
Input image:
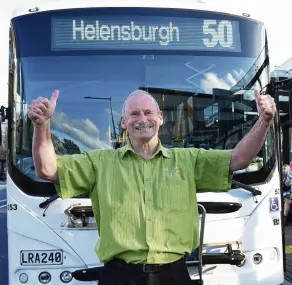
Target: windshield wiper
[248, 188]
[48, 201]
[254, 191]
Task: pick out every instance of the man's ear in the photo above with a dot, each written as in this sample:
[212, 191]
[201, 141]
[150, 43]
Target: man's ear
[123, 123]
[161, 118]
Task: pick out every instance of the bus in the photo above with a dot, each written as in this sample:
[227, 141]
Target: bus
[202, 63]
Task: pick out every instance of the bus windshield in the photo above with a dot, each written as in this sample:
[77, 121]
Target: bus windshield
[202, 68]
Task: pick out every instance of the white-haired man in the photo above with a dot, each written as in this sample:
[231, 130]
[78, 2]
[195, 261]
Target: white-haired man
[143, 195]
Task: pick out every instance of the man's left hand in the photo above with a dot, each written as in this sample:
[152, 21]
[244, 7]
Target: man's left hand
[266, 106]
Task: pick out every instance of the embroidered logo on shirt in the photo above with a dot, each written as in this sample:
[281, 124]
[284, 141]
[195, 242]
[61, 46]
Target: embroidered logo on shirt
[174, 172]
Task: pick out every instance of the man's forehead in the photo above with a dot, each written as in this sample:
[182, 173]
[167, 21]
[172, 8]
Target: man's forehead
[140, 101]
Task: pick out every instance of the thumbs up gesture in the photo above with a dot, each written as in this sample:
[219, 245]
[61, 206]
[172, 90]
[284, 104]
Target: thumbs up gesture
[266, 106]
[42, 109]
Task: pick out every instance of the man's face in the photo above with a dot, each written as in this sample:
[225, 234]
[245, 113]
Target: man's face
[142, 119]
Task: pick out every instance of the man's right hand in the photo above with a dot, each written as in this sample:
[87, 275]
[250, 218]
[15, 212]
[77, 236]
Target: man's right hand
[42, 109]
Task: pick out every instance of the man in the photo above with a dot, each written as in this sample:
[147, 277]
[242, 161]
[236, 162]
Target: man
[143, 195]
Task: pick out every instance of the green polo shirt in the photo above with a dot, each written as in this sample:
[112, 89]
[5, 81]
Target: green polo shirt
[145, 209]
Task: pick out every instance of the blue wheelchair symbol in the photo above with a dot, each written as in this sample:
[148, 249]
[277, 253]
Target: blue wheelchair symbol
[274, 204]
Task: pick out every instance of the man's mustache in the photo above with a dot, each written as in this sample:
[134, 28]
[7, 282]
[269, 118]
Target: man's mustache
[144, 125]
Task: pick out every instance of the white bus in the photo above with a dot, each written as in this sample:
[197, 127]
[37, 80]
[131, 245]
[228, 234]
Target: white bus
[202, 63]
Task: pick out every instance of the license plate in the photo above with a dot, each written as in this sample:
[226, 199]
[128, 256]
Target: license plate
[41, 257]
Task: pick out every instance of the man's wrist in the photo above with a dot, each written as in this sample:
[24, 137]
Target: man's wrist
[265, 123]
[45, 124]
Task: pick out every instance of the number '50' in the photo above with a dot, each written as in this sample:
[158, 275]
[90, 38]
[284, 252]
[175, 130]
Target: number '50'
[220, 33]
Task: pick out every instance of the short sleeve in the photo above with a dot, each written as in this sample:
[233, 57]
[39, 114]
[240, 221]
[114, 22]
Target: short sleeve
[76, 175]
[212, 170]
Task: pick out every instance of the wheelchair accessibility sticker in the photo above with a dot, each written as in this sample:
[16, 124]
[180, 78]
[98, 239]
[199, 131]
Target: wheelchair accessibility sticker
[274, 204]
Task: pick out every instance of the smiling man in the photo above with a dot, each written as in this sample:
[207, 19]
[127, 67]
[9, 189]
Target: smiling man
[143, 195]
[142, 118]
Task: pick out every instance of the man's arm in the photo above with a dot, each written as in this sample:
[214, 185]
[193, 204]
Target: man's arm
[252, 143]
[249, 146]
[44, 156]
[43, 152]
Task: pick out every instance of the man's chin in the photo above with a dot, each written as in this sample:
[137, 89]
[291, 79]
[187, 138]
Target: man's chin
[143, 138]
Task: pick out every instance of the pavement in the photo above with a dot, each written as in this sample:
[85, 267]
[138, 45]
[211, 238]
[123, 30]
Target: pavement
[288, 249]
[3, 237]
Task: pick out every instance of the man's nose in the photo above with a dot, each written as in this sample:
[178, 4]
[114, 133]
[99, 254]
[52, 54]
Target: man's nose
[142, 117]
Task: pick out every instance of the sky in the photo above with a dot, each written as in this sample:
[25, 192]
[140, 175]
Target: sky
[275, 15]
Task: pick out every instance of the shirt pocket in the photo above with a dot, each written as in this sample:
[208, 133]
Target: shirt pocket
[173, 195]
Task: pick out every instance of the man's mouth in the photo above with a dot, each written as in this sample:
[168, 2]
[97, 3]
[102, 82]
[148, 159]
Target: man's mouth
[144, 127]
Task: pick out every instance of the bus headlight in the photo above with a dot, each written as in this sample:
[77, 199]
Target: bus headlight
[66, 276]
[45, 277]
[23, 278]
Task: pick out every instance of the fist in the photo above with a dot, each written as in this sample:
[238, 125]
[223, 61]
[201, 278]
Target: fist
[266, 106]
[42, 109]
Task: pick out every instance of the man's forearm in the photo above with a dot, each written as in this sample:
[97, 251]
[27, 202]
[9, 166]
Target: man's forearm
[249, 146]
[43, 153]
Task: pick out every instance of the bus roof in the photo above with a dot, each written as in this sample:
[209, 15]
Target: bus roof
[217, 6]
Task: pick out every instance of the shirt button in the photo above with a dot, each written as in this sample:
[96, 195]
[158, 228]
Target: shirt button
[147, 179]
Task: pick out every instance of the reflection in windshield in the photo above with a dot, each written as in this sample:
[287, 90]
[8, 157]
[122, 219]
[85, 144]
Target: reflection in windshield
[83, 112]
[192, 92]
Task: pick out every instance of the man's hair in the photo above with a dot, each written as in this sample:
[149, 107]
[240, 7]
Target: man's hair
[138, 93]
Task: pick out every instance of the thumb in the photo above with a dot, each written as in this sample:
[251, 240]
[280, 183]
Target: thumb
[257, 97]
[54, 96]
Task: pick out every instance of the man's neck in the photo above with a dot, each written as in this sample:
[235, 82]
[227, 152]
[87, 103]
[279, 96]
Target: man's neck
[145, 149]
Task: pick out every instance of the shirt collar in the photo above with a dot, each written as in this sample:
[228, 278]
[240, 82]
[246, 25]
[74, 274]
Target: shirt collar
[161, 149]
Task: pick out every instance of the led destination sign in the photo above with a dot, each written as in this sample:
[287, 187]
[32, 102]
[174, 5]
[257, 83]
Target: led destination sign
[158, 33]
